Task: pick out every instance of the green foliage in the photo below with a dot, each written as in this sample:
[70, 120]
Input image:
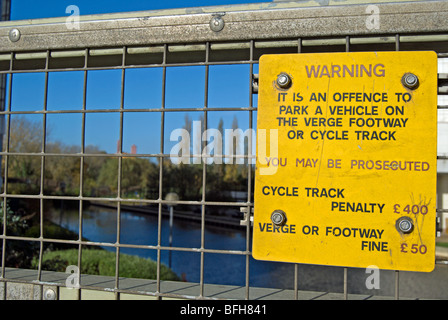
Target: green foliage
[57, 256]
[15, 224]
[19, 253]
[139, 176]
[102, 262]
[442, 244]
[51, 231]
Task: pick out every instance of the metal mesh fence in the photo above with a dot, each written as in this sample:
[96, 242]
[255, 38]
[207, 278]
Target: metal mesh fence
[90, 127]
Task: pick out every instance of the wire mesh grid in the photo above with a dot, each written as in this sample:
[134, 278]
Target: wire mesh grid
[123, 61]
[45, 157]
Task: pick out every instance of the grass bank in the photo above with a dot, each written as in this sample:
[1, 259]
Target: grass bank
[102, 262]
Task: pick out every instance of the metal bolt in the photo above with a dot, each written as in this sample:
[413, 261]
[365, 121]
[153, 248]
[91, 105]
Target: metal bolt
[410, 80]
[278, 217]
[405, 225]
[14, 35]
[284, 80]
[49, 294]
[217, 23]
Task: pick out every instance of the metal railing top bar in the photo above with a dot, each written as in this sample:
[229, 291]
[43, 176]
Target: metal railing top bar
[124, 245]
[223, 53]
[268, 5]
[260, 22]
[263, 44]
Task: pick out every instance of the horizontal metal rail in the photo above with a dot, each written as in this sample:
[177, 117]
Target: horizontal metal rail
[271, 22]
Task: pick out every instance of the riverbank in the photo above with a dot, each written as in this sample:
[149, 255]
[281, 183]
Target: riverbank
[233, 221]
[102, 262]
[210, 220]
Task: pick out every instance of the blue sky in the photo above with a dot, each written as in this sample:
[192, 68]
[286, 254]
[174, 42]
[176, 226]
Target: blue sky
[31, 9]
[228, 87]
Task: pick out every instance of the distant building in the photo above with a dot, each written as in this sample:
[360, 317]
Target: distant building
[133, 148]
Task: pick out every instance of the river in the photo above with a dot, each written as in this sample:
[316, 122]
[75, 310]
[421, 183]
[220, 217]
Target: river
[100, 225]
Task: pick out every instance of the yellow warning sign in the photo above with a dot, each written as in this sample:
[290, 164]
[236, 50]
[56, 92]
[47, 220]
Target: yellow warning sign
[346, 159]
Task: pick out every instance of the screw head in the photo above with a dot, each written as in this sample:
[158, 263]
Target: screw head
[278, 217]
[284, 80]
[410, 80]
[14, 35]
[405, 225]
[216, 23]
[49, 294]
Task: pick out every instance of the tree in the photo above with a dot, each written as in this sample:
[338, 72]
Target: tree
[92, 168]
[62, 174]
[26, 137]
[231, 173]
[139, 177]
[18, 254]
